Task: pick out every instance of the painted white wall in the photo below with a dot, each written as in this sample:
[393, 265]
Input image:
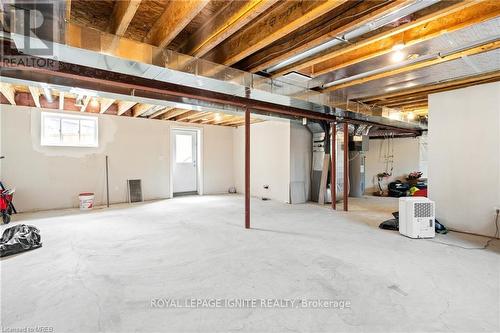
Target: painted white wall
[300, 162]
[52, 177]
[406, 160]
[464, 157]
[270, 159]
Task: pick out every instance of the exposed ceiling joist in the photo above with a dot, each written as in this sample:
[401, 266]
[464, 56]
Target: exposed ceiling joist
[429, 88]
[223, 24]
[459, 20]
[470, 51]
[421, 18]
[278, 23]
[123, 13]
[174, 113]
[86, 102]
[198, 116]
[402, 103]
[160, 112]
[9, 92]
[353, 18]
[105, 104]
[124, 106]
[35, 94]
[68, 10]
[140, 109]
[61, 100]
[186, 115]
[174, 19]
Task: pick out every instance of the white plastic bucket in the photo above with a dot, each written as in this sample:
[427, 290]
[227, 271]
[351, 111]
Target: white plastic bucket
[86, 201]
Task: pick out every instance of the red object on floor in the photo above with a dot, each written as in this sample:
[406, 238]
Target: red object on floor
[421, 193]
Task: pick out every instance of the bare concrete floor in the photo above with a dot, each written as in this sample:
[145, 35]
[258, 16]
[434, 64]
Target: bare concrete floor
[99, 271]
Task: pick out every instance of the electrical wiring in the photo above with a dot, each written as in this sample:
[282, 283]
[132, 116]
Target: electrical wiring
[497, 234]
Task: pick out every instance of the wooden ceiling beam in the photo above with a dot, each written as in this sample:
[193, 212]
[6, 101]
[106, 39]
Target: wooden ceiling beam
[281, 21]
[354, 17]
[140, 109]
[422, 18]
[471, 51]
[160, 112]
[174, 113]
[124, 106]
[61, 100]
[68, 10]
[174, 19]
[464, 18]
[223, 24]
[86, 102]
[401, 103]
[35, 94]
[187, 115]
[414, 105]
[123, 13]
[105, 103]
[228, 120]
[214, 121]
[9, 92]
[198, 116]
[452, 84]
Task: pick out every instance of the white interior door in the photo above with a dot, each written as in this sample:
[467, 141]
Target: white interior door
[185, 164]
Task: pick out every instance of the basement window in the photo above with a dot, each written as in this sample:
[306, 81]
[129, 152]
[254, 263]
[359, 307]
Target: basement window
[59, 129]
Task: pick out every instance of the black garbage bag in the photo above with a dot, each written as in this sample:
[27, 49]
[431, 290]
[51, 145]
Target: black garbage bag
[392, 224]
[19, 238]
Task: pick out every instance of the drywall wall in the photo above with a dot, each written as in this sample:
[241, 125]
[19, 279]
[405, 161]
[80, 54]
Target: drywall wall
[270, 159]
[406, 153]
[52, 177]
[464, 157]
[300, 163]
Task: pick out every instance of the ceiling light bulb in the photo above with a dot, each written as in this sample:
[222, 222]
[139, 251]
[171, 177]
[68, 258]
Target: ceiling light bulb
[398, 47]
[218, 117]
[398, 56]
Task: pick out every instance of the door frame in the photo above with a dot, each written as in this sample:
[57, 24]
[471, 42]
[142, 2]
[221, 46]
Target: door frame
[199, 157]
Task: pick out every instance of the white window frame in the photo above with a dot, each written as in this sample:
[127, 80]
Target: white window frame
[61, 116]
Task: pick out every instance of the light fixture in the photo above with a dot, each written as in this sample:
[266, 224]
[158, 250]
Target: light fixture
[398, 56]
[398, 47]
[218, 117]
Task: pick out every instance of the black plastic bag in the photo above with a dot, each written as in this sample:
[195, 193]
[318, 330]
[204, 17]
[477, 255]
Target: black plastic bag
[18, 239]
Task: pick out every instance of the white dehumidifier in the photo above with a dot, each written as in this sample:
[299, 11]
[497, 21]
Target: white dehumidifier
[416, 217]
